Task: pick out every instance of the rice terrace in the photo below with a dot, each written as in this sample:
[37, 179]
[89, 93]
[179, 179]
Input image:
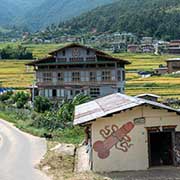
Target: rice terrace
[13, 73]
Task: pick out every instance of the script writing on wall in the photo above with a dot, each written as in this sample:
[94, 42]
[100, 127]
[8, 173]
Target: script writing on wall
[113, 137]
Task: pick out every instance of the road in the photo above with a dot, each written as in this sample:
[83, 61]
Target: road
[19, 153]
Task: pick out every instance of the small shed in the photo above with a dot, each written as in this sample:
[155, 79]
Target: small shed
[129, 133]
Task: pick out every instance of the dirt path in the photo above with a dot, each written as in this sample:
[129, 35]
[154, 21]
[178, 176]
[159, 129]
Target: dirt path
[19, 153]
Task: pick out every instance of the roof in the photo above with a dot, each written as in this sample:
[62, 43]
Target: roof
[98, 54]
[173, 59]
[151, 95]
[110, 104]
[77, 45]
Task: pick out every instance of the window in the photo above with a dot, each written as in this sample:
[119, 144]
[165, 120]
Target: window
[94, 92]
[63, 52]
[88, 52]
[123, 75]
[60, 76]
[92, 76]
[47, 76]
[119, 75]
[75, 76]
[106, 75]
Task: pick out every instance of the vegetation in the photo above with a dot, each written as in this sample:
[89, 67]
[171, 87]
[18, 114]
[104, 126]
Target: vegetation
[52, 123]
[156, 18]
[19, 52]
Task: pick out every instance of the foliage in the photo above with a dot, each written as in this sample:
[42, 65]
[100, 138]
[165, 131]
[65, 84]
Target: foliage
[20, 99]
[6, 96]
[19, 52]
[156, 18]
[41, 104]
[65, 113]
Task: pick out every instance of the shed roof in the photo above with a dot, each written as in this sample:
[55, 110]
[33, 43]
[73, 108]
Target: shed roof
[173, 59]
[111, 104]
[150, 95]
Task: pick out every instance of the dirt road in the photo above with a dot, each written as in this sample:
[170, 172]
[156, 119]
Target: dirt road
[19, 153]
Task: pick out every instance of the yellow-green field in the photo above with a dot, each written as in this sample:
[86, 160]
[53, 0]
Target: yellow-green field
[13, 73]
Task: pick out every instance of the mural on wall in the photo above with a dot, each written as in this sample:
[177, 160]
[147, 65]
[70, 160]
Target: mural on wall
[113, 137]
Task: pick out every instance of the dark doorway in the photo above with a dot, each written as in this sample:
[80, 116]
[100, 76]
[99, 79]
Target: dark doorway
[54, 93]
[161, 148]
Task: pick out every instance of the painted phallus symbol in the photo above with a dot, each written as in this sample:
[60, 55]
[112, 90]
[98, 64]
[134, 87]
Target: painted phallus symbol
[103, 147]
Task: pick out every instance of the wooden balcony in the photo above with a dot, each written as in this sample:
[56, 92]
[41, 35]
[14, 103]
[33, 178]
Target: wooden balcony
[76, 83]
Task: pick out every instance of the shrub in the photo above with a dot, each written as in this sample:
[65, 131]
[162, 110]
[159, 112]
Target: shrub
[20, 99]
[42, 104]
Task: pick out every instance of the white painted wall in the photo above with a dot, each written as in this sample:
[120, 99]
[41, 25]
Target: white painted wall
[137, 156]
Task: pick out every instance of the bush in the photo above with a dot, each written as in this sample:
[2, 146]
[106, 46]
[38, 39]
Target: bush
[6, 96]
[42, 104]
[20, 99]
[18, 52]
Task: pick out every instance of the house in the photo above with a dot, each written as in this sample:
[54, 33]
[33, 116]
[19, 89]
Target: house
[160, 70]
[173, 65]
[147, 48]
[128, 133]
[75, 69]
[150, 97]
[174, 47]
[133, 48]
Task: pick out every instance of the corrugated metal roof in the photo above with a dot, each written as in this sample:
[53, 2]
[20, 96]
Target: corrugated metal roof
[110, 104]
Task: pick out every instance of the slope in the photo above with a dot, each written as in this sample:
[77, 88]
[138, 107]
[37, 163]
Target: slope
[159, 18]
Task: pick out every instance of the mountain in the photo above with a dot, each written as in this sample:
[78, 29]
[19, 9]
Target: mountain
[55, 11]
[158, 18]
[37, 14]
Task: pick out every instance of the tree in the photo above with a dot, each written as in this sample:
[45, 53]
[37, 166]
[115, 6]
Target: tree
[20, 99]
[42, 104]
[66, 111]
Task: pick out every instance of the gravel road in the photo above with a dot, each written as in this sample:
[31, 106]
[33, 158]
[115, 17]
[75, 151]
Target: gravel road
[19, 153]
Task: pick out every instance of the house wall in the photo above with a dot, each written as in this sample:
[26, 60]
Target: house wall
[173, 66]
[82, 52]
[136, 158]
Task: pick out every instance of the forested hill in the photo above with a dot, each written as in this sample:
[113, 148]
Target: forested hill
[159, 18]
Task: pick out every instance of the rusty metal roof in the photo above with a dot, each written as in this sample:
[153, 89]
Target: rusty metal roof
[111, 104]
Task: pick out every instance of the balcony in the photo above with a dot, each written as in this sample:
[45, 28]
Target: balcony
[78, 83]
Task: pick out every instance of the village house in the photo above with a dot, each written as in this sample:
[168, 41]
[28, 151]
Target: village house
[126, 133]
[174, 47]
[76, 69]
[133, 48]
[173, 65]
[161, 70]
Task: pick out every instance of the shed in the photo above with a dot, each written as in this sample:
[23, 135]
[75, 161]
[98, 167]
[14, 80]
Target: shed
[129, 133]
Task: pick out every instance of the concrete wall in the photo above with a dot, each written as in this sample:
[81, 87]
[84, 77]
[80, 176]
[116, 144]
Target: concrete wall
[136, 158]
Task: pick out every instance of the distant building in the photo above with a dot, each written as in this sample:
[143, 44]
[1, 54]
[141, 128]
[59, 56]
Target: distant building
[160, 70]
[147, 48]
[174, 47]
[133, 48]
[76, 69]
[173, 65]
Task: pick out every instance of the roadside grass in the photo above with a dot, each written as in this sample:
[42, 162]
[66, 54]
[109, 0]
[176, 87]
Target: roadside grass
[68, 135]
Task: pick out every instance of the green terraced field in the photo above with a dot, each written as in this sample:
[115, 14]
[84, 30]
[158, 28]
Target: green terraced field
[13, 72]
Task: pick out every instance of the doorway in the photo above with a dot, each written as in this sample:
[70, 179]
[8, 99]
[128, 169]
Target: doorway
[160, 148]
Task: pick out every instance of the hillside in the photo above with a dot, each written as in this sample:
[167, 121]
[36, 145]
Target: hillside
[36, 15]
[159, 18]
